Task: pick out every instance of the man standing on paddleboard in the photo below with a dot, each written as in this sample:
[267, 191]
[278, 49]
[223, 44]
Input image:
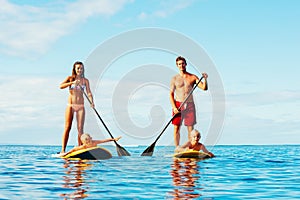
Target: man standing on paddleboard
[181, 86]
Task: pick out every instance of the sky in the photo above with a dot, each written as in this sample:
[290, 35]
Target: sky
[250, 50]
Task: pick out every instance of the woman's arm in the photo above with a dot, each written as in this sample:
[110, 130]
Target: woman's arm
[67, 83]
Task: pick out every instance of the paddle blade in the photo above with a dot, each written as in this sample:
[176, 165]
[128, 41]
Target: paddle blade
[122, 151]
[149, 151]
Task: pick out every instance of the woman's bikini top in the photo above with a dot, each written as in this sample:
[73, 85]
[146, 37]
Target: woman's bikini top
[77, 87]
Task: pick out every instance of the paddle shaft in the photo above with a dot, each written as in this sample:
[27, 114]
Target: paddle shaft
[178, 109]
[100, 117]
[150, 149]
[120, 150]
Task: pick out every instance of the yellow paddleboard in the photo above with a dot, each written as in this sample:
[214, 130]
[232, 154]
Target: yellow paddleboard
[93, 153]
[192, 154]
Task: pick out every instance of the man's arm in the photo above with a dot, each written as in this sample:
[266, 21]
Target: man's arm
[203, 85]
[172, 96]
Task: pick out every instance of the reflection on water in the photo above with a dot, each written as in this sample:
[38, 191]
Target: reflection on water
[74, 179]
[185, 173]
[238, 172]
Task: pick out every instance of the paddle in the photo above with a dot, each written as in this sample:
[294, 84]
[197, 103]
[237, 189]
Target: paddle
[149, 151]
[121, 150]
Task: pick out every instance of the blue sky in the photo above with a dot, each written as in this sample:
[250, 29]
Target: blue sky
[254, 46]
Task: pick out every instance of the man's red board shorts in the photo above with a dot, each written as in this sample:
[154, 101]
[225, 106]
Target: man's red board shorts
[188, 114]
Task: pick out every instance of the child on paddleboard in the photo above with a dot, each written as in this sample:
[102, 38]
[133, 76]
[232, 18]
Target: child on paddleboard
[87, 142]
[194, 144]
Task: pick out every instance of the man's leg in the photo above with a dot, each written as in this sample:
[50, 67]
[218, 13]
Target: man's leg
[190, 117]
[176, 135]
[189, 129]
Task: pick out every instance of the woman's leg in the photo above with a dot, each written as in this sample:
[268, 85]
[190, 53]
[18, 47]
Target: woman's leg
[80, 115]
[68, 124]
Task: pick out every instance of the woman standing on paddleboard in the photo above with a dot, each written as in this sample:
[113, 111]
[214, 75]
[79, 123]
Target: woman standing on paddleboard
[76, 83]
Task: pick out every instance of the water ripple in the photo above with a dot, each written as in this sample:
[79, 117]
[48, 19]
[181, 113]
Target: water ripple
[237, 172]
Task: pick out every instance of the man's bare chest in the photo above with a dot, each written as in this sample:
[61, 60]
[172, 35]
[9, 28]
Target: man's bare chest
[183, 82]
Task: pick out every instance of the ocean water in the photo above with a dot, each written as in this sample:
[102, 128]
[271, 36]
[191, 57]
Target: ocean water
[237, 172]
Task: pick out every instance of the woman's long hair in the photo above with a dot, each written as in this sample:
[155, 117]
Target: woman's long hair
[74, 70]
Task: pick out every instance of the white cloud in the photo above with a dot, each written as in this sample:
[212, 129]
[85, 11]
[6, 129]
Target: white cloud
[262, 98]
[29, 29]
[166, 8]
[262, 117]
[30, 102]
[172, 7]
[34, 103]
[142, 16]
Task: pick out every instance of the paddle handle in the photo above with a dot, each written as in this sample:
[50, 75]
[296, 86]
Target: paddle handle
[179, 109]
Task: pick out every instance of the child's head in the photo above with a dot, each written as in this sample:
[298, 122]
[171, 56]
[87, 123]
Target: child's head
[195, 136]
[86, 138]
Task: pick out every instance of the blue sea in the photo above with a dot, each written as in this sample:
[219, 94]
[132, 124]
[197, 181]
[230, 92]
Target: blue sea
[237, 172]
